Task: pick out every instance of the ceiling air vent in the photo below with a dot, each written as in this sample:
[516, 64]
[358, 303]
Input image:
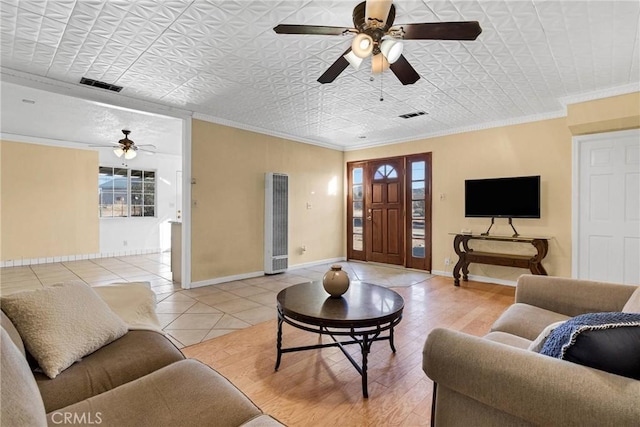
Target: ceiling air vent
[411, 115]
[101, 85]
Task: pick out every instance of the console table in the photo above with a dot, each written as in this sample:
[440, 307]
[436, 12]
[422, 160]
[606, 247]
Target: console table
[467, 255]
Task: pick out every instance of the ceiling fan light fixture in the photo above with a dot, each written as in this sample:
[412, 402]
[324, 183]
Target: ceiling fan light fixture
[118, 151]
[391, 49]
[362, 45]
[130, 154]
[379, 64]
[354, 60]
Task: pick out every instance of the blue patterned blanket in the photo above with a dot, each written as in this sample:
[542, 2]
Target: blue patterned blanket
[565, 335]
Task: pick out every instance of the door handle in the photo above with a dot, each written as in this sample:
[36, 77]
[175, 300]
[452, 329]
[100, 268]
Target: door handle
[369, 216]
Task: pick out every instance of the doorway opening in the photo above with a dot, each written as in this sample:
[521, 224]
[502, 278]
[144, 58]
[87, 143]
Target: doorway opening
[389, 211]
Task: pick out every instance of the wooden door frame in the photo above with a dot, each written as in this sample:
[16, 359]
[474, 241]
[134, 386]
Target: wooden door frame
[409, 261]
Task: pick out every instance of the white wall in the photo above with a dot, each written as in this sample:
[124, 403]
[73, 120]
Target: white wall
[143, 235]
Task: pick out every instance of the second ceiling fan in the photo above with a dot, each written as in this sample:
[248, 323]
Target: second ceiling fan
[377, 36]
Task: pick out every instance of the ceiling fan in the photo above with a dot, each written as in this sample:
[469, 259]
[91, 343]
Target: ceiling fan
[377, 36]
[127, 147]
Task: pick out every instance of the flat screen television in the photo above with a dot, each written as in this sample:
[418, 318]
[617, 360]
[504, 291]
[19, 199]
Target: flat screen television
[513, 197]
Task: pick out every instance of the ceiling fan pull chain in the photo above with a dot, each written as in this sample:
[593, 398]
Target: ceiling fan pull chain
[381, 98]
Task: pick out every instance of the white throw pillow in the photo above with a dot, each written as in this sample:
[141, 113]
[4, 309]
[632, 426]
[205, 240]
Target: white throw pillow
[62, 323]
[537, 344]
[633, 305]
[134, 302]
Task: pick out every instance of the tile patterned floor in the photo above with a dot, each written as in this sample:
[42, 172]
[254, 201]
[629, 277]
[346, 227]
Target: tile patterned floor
[195, 315]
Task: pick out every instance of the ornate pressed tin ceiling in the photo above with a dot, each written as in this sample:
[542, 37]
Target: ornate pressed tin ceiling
[222, 60]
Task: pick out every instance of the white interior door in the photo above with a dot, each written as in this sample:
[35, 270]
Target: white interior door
[608, 229]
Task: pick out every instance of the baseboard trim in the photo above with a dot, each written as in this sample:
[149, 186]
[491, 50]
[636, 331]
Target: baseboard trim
[316, 263]
[225, 279]
[251, 275]
[70, 258]
[475, 278]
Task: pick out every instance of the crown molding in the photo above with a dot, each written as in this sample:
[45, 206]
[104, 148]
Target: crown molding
[599, 94]
[27, 139]
[564, 101]
[99, 96]
[256, 129]
[471, 128]
[118, 100]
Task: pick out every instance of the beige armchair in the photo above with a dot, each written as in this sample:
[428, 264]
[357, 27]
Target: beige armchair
[496, 381]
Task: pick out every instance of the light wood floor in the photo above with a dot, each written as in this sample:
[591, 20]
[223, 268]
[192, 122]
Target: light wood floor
[321, 387]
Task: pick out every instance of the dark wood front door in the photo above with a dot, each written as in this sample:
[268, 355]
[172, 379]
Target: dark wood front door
[385, 211]
[389, 211]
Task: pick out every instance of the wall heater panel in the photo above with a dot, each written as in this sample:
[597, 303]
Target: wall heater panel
[276, 227]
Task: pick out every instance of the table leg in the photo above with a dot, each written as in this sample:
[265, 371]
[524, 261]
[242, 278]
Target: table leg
[279, 341]
[456, 270]
[537, 268]
[535, 264]
[465, 270]
[365, 342]
[366, 346]
[393, 347]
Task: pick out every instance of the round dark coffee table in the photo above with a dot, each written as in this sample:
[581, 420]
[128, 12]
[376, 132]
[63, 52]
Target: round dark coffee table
[362, 313]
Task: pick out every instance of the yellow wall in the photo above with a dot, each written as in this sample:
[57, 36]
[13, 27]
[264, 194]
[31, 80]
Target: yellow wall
[605, 115]
[228, 165]
[538, 148]
[48, 201]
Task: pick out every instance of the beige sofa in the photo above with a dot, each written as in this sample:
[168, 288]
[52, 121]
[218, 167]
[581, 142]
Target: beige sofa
[140, 379]
[497, 381]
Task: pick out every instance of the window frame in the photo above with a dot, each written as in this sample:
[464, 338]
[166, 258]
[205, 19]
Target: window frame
[422, 262]
[352, 252]
[130, 207]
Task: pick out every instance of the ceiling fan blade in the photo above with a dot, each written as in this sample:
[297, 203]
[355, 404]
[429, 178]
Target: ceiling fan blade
[377, 10]
[103, 145]
[465, 30]
[311, 29]
[336, 68]
[404, 71]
